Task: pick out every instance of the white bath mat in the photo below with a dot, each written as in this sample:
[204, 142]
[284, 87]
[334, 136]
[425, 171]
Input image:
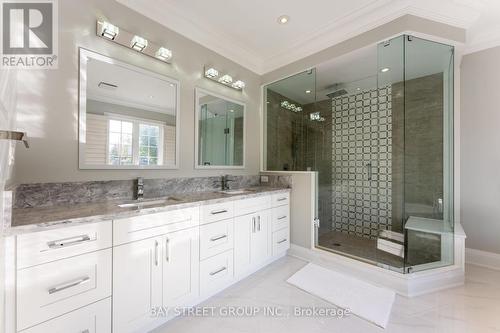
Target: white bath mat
[361, 298]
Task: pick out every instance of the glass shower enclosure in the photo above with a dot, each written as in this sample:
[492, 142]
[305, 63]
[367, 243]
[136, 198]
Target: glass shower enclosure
[377, 127]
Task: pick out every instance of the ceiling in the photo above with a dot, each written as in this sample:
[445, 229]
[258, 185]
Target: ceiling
[134, 89]
[360, 70]
[247, 32]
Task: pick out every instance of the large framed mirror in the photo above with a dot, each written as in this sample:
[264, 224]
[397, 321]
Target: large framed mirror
[220, 131]
[128, 116]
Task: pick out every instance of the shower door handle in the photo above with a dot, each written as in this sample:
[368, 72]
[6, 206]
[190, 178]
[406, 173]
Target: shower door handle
[369, 171]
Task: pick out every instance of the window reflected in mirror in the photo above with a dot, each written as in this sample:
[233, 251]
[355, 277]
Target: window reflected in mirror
[128, 117]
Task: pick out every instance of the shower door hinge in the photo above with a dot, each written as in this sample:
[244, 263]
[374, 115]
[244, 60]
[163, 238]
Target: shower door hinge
[316, 223]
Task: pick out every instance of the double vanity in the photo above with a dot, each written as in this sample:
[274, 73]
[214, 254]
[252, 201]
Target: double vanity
[123, 266]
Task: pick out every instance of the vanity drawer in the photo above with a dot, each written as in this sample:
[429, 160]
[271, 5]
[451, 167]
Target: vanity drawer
[217, 212]
[50, 290]
[216, 273]
[46, 246]
[280, 199]
[93, 318]
[281, 217]
[281, 241]
[252, 205]
[150, 225]
[216, 238]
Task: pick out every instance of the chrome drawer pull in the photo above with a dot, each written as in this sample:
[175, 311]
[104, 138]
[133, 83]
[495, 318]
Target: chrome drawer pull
[68, 285]
[282, 199]
[282, 241]
[282, 217]
[213, 239]
[215, 212]
[258, 222]
[68, 241]
[253, 224]
[218, 271]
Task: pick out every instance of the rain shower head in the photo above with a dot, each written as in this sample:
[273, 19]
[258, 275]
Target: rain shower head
[337, 93]
[336, 90]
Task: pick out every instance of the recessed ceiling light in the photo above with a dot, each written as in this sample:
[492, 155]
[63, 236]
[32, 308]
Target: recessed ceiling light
[283, 19]
[385, 69]
[308, 91]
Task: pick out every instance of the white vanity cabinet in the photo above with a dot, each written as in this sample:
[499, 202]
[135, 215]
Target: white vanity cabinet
[252, 240]
[159, 272]
[113, 276]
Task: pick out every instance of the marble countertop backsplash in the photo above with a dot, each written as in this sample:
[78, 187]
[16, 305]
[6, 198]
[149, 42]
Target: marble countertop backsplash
[61, 207]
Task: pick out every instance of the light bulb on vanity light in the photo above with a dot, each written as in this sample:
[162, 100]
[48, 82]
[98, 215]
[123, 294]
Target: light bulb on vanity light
[211, 73]
[109, 30]
[138, 43]
[239, 85]
[226, 79]
[163, 54]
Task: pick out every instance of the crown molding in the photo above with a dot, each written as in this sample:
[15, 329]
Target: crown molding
[462, 14]
[219, 42]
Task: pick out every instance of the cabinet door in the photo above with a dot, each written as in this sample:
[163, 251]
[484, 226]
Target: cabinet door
[181, 257]
[260, 237]
[243, 227]
[137, 284]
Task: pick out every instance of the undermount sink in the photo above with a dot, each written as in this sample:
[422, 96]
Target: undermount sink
[236, 191]
[143, 203]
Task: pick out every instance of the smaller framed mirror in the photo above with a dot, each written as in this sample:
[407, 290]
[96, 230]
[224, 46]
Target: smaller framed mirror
[220, 131]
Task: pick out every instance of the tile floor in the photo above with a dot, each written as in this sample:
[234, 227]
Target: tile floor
[474, 307]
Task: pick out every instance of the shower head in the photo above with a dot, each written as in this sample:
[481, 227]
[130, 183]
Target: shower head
[337, 93]
[335, 90]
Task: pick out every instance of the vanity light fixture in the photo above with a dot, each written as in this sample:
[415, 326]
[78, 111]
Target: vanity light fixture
[226, 79]
[316, 116]
[163, 54]
[290, 106]
[308, 91]
[238, 85]
[109, 31]
[211, 73]
[138, 43]
[132, 41]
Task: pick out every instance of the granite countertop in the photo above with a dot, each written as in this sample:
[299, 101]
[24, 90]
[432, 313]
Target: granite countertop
[33, 219]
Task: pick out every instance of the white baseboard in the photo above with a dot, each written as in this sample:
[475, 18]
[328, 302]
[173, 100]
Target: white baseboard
[482, 258]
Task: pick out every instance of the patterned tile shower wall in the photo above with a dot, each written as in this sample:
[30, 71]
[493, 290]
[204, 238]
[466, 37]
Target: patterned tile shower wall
[361, 162]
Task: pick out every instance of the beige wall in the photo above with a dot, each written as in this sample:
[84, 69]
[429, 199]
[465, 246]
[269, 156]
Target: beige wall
[47, 100]
[480, 149]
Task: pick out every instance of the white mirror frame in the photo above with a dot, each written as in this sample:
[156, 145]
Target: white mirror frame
[82, 105]
[199, 91]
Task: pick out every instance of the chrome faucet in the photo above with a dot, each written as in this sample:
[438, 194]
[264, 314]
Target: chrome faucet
[224, 182]
[139, 190]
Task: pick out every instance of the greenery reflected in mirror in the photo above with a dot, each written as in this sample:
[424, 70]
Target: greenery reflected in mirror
[220, 131]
